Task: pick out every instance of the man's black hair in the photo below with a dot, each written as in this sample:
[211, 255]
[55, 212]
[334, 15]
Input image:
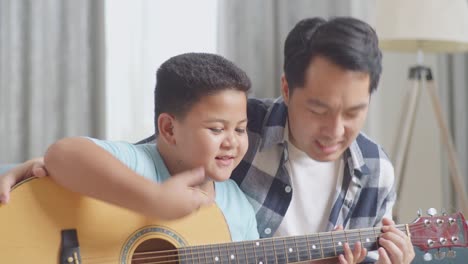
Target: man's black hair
[347, 42]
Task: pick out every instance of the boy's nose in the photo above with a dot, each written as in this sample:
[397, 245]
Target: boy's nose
[230, 141]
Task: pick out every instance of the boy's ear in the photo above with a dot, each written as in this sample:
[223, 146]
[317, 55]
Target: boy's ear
[285, 89]
[166, 128]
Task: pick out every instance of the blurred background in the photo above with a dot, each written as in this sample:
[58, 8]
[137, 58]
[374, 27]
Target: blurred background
[87, 67]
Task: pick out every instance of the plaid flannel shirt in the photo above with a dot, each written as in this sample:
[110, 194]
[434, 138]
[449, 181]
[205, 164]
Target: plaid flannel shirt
[367, 190]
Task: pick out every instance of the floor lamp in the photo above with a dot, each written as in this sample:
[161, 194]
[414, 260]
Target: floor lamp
[422, 26]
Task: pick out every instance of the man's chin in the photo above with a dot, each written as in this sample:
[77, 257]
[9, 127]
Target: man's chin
[322, 157]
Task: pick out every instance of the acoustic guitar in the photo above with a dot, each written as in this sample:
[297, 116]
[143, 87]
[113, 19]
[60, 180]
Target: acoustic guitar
[46, 224]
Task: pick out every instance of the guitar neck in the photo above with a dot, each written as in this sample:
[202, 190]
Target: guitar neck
[283, 249]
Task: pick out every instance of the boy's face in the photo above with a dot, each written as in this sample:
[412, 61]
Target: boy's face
[326, 115]
[213, 134]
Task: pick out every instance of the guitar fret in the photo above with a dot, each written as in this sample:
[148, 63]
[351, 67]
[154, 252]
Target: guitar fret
[297, 249]
[212, 254]
[250, 252]
[190, 256]
[204, 254]
[333, 242]
[308, 247]
[320, 245]
[291, 249]
[375, 237]
[203, 258]
[328, 248]
[268, 251]
[240, 253]
[302, 248]
[347, 240]
[219, 257]
[315, 249]
[257, 243]
[198, 257]
[229, 256]
[181, 252]
[280, 250]
[245, 253]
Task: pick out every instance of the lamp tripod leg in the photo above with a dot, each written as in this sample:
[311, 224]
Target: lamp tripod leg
[455, 172]
[403, 139]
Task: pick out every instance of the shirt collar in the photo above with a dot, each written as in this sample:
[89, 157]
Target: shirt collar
[274, 134]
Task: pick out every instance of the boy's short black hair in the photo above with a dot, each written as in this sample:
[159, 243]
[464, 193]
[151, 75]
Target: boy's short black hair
[183, 80]
[348, 42]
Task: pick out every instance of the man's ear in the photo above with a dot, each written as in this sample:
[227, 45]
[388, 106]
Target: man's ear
[166, 128]
[285, 89]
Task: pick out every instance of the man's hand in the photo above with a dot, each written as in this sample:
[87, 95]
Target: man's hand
[179, 195]
[395, 245]
[352, 256]
[30, 168]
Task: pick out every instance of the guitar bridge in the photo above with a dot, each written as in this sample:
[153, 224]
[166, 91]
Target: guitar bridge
[70, 249]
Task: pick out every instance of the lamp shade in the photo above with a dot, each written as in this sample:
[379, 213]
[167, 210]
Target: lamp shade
[426, 25]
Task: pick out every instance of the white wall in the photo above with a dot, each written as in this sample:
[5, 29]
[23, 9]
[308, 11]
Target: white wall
[424, 178]
[140, 35]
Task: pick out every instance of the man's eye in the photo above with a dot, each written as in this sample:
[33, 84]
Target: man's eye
[240, 130]
[352, 115]
[317, 112]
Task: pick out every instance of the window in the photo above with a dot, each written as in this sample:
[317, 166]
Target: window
[140, 35]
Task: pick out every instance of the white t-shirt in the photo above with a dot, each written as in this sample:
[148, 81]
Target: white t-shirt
[314, 187]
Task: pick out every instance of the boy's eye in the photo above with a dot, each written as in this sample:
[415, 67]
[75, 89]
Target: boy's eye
[216, 130]
[240, 130]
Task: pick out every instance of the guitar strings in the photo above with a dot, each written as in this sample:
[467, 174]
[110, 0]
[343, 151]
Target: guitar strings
[325, 242]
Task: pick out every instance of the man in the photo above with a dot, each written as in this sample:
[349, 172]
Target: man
[309, 167]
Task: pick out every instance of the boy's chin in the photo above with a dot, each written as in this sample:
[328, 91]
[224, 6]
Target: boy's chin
[221, 176]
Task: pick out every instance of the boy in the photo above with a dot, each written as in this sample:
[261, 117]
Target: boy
[200, 119]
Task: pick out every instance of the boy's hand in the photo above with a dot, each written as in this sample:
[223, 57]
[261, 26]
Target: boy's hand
[30, 168]
[396, 246]
[179, 195]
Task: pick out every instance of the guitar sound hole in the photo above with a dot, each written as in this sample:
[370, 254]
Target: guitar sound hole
[155, 251]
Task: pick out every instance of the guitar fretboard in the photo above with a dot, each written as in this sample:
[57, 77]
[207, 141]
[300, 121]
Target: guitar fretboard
[282, 249]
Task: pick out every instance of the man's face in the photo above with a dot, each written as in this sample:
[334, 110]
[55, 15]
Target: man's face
[327, 113]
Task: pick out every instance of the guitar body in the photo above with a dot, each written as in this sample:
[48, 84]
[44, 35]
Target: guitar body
[31, 225]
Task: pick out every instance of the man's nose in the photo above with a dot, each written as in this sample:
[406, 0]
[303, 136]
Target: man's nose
[333, 127]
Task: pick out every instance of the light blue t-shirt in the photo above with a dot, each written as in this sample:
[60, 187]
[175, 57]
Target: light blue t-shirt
[145, 160]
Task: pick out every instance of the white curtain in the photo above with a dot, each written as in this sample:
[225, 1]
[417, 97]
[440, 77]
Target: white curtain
[51, 74]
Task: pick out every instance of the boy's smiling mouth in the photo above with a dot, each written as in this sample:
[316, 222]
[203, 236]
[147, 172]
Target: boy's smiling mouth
[225, 160]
